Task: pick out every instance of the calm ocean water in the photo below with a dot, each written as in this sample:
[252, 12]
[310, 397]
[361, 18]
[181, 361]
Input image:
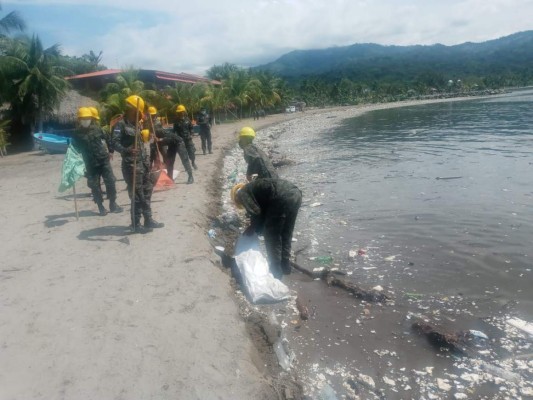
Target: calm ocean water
[440, 197]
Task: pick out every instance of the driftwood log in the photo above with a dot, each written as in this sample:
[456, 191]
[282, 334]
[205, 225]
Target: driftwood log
[443, 340]
[357, 291]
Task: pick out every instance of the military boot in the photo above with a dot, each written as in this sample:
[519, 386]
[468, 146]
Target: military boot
[286, 267]
[138, 228]
[191, 179]
[194, 165]
[150, 223]
[114, 207]
[101, 209]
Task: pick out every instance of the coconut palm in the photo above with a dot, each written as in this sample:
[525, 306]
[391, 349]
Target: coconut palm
[113, 96]
[11, 22]
[34, 84]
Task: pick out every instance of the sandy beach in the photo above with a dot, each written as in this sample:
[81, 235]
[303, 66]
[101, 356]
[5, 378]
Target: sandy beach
[90, 311]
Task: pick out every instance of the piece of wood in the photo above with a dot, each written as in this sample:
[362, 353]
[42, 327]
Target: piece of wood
[357, 291]
[443, 340]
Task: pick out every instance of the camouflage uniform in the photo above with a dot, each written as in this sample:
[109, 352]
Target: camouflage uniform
[273, 206]
[204, 122]
[93, 144]
[124, 142]
[175, 145]
[183, 128]
[258, 162]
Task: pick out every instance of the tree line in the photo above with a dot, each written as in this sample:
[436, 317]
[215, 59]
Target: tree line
[33, 85]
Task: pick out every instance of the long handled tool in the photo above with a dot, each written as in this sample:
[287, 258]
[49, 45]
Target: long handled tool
[158, 166]
[134, 183]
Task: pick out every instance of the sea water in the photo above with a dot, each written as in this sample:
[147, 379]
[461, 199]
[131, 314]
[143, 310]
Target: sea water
[432, 203]
[439, 197]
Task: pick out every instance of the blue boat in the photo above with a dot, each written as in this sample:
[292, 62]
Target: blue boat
[51, 143]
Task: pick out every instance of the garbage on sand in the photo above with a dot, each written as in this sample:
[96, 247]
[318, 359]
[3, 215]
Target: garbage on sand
[259, 283]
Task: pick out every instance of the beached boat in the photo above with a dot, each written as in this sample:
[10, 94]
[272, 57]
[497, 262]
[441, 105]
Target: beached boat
[51, 143]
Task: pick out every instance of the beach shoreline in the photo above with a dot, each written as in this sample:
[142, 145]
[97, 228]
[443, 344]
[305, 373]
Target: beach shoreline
[89, 311]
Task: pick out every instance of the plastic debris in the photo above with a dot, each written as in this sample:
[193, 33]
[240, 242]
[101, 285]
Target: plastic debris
[352, 253]
[283, 357]
[389, 381]
[315, 204]
[478, 334]
[443, 384]
[522, 325]
[378, 288]
[324, 259]
[327, 393]
[390, 258]
[212, 233]
[367, 381]
[361, 252]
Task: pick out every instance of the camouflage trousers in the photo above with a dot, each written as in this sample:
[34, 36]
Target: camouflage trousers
[94, 173]
[144, 187]
[278, 228]
[181, 150]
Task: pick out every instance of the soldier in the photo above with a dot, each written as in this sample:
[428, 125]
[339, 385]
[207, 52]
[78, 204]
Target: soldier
[90, 141]
[153, 123]
[273, 206]
[127, 141]
[205, 122]
[183, 128]
[175, 144]
[258, 162]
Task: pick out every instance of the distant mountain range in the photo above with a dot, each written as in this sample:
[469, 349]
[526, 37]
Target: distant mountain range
[511, 54]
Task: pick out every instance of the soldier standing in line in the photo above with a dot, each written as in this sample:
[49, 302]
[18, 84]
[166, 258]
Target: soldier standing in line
[205, 122]
[273, 206]
[127, 141]
[90, 141]
[258, 162]
[183, 128]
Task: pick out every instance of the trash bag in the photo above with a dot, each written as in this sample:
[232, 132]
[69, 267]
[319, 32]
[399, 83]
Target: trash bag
[259, 283]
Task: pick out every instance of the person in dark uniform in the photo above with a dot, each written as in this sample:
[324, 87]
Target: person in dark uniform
[258, 162]
[273, 206]
[176, 145]
[92, 143]
[127, 141]
[153, 124]
[183, 128]
[205, 122]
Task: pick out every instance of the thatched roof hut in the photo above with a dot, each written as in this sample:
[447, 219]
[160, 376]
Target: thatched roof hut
[67, 111]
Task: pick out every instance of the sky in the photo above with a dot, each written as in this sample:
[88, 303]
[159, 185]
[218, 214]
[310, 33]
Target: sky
[192, 36]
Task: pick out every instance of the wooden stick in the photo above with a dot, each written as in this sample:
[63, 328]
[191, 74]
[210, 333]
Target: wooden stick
[159, 166]
[134, 184]
[75, 202]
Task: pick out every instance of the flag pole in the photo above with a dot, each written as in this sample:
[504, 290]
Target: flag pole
[75, 201]
[133, 194]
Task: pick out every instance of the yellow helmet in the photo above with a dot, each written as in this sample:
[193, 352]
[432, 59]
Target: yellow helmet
[94, 113]
[181, 108]
[145, 134]
[247, 132]
[233, 194]
[135, 100]
[152, 110]
[84, 112]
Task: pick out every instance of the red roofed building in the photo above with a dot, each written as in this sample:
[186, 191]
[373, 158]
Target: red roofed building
[94, 81]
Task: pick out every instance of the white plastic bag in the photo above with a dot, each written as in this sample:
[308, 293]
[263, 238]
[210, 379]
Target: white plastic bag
[259, 283]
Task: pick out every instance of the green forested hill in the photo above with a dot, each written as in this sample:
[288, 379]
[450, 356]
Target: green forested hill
[500, 62]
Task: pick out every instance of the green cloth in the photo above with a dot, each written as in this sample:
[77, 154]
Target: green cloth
[72, 170]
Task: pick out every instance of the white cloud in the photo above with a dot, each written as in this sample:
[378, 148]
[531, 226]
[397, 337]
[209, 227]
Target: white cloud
[193, 36]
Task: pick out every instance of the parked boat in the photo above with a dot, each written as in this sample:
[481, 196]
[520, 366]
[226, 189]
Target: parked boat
[51, 143]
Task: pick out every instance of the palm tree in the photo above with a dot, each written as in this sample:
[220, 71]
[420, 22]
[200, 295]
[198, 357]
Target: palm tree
[114, 94]
[34, 84]
[11, 22]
